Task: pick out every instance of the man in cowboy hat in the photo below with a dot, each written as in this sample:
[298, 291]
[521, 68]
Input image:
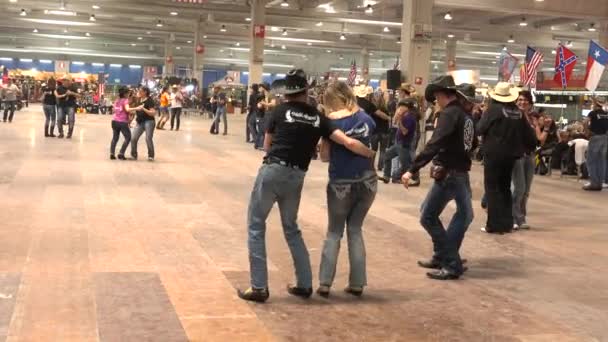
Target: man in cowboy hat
[379, 139]
[449, 148]
[506, 136]
[66, 94]
[292, 133]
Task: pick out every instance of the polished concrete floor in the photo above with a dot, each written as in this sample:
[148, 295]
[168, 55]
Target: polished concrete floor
[100, 250]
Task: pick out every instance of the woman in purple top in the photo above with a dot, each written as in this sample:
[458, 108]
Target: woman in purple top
[351, 189]
[120, 123]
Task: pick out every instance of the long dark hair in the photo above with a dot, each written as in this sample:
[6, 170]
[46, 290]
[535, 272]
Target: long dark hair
[527, 95]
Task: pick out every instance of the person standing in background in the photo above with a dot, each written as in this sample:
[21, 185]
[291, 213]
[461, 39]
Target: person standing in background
[145, 114]
[25, 93]
[66, 94]
[252, 105]
[177, 100]
[220, 113]
[264, 106]
[597, 122]
[120, 123]
[10, 94]
[165, 101]
[379, 140]
[406, 130]
[49, 103]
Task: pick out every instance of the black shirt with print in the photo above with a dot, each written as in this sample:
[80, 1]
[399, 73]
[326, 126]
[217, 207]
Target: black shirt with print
[49, 96]
[141, 115]
[296, 128]
[371, 109]
[598, 124]
[68, 101]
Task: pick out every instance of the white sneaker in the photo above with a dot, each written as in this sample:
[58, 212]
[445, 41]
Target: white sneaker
[483, 229]
[524, 226]
[515, 226]
[605, 185]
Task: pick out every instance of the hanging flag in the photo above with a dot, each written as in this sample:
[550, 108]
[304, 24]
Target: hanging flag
[352, 76]
[533, 60]
[507, 64]
[397, 65]
[596, 63]
[565, 60]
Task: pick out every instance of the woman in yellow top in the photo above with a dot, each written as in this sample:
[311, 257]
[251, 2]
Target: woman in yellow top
[164, 108]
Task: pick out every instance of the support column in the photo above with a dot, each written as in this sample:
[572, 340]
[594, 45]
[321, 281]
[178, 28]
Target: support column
[365, 65]
[198, 52]
[416, 42]
[256, 52]
[450, 54]
[169, 67]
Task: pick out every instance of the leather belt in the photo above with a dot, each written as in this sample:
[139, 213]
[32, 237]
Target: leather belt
[269, 161]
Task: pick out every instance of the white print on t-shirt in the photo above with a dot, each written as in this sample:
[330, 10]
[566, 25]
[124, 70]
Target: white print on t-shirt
[469, 134]
[292, 117]
[358, 132]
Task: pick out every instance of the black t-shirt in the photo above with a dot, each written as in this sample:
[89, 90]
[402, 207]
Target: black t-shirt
[599, 122]
[141, 115]
[370, 109]
[49, 96]
[69, 101]
[260, 112]
[296, 128]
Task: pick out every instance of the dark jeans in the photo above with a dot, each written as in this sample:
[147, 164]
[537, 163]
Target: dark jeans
[523, 173]
[259, 141]
[148, 126]
[596, 159]
[117, 128]
[348, 202]
[397, 150]
[9, 106]
[50, 113]
[446, 243]
[497, 183]
[250, 130]
[379, 142]
[176, 113]
[62, 113]
[220, 114]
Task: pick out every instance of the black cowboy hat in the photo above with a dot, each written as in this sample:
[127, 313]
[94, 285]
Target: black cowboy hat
[295, 82]
[467, 91]
[438, 84]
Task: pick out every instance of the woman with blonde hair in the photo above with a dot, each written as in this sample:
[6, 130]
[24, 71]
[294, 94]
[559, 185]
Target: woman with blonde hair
[351, 189]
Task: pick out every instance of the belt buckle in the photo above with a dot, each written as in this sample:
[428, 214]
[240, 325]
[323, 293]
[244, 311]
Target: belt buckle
[282, 163]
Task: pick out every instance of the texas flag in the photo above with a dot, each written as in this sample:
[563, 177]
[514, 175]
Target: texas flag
[596, 63]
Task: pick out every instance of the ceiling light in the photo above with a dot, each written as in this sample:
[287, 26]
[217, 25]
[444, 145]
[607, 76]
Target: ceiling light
[96, 7]
[539, 0]
[284, 3]
[592, 28]
[328, 8]
[309, 43]
[493, 62]
[65, 30]
[369, 9]
[274, 29]
[60, 36]
[67, 43]
[342, 37]
[319, 24]
[447, 16]
[35, 31]
[511, 40]
[87, 34]
[78, 63]
[221, 50]
[140, 38]
[45, 61]
[189, 42]
[23, 13]
[237, 44]
[328, 51]
[178, 48]
[450, 35]
[92, 17]
[284, 32]
[13, 1]
[523, 22]
[398, 41]
[26, 60]
[173, 13]
[569, 44]
[223, 28]
[341, 57]
[148, 32]
[247, 19]
[553, 52]
[56, 12]
[271, 44]
[204, 37]
[159, 24]
[283, 47]
[386, 29]
[133, 44]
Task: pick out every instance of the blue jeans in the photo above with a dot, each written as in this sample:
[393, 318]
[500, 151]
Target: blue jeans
[259, 141]
[347, 204]
[596, 159]
[523, 173]
[50, 113]
[117, 128]
[446, 243]
[404, 154]
[283, 185]
[220, 114]
[9, 106]
[61, 114]
[148, 126]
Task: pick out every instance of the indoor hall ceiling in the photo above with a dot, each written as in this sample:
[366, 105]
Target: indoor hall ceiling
[129, 29]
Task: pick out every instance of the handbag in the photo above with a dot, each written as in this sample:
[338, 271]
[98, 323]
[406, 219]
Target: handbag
[438, 172]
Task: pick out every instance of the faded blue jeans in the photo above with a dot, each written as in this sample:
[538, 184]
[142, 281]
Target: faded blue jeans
[348, 202]
[446, 243]
[596, 159]
[147, 126]
[220, 114]
[523, 174]
[50, 113]
[61, 113]
[282, 185]
[404, 154]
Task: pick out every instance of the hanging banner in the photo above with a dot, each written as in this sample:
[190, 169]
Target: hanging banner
[259, 31]
[150, 72]
[235, 76]
[200, 49]
[506, 65]
[62, 67]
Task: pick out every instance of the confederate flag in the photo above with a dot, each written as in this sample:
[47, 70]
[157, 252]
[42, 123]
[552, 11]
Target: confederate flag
[565, 60]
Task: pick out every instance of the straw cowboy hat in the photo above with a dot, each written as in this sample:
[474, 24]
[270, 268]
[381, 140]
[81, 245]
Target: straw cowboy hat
[407, 88]
[363, 90]
[504, 92]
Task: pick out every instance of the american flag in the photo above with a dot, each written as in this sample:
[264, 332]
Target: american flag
[352, 76]
[533, 61]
